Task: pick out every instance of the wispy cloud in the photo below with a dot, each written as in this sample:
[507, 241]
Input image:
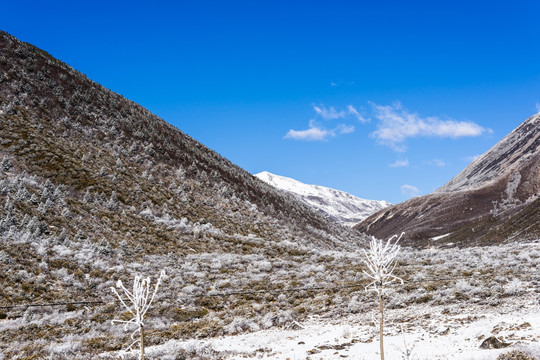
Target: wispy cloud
[400, 163]
[313, 133]
[409, 190]
[435, 162]
[396, 124]
[352, 111]
[329, 113]
[318, 132]
[538, 107]
[345, 129]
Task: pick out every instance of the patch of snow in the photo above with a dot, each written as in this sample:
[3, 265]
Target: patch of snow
[435, 238]
[449, 337]
[513, 184]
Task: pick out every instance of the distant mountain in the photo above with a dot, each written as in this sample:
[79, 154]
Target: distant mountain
[336, 205]
[494, 199]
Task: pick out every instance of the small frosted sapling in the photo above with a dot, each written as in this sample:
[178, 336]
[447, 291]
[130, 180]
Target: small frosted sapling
[379, 259]
[137, 304]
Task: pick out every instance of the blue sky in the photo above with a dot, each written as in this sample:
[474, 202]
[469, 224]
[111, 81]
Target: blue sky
[383, 99]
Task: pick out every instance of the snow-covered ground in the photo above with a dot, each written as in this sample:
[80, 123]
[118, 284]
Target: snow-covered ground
[452, 324]
[425, 332]
[297, 304]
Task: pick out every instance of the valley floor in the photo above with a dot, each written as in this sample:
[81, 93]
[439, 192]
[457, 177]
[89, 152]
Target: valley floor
[426, 332]
[295, 304]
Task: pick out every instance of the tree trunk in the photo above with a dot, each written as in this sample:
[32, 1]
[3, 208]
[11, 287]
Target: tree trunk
[381, 310]
[141, 333]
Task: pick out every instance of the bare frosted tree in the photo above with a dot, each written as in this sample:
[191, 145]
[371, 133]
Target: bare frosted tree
[379, 259]
[139, 301]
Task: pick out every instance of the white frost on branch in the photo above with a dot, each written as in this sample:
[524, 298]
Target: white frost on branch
[379, 260]
[139, 303]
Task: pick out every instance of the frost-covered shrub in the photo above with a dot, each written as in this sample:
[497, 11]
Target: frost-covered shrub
[240, 324]
[284, 317]
[337, 300]
[268, 320]
[192, 290]
[514, 355]
[4, 257]
[5, 165]
[398, 300]
[264, 265]
[203, 350]
[56, 349]
[514, 287]
[354, 305]
[465, 288]
[417, 296]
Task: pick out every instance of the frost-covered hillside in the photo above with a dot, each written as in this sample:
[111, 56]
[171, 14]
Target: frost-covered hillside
[337, 205]
[495, 199]
[507, 157]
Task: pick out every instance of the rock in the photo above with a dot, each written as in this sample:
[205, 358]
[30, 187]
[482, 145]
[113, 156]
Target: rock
[445, 331]
[493, 343]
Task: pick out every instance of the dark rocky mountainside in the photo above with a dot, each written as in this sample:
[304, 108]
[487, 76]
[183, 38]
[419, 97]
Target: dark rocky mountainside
[494, 199]
[59, 126]
[95, 188]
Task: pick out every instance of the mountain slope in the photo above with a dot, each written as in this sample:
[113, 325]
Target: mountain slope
[485, 203]
[514, 152]
[94, 188]
[336, 205]
[60, 126]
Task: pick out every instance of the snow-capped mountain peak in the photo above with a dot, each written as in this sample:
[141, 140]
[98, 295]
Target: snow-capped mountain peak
[337, 205]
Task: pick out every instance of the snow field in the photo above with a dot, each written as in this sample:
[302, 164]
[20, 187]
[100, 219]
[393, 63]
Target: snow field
[451, 336]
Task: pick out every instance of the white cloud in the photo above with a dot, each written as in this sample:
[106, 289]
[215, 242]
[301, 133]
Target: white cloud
[352, 111]
[396, 124]
[436, 162]
[318, 132]
[400, 163]
[409, 190]
[309, 134]
[345, 129]
[538, 107]
[314, 133]
[329, 113]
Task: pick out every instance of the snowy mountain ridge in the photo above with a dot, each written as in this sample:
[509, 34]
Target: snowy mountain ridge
[337, 205]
